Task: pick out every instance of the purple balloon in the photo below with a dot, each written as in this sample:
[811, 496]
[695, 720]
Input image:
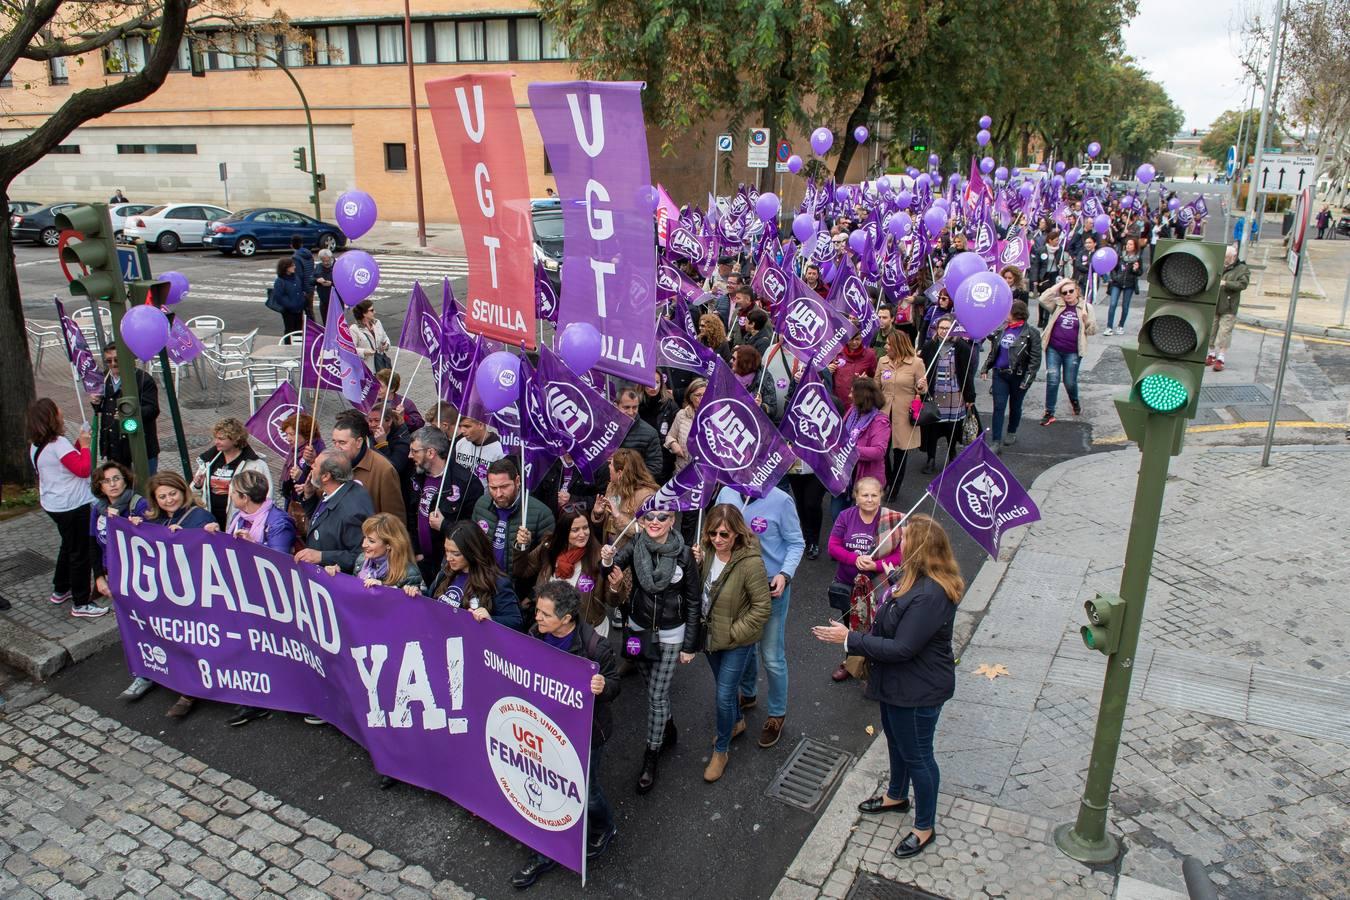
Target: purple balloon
[897, 226]
[857, 241]
[1059, 167]
[1102, 224]
[822, 139]
[1127, 202]
[145, 331]
[884, 183]
[178, 287]
[1025, 191]
[579, 347]
[905, 199]
[982, 138]
[1094, 149]
[923, 181]
[649, 197]
[841, 194]
[1174, 204]
[794, 164]
[803, 227]
[1104, 260]
[1057, 181]
[906, 224]
[985, 122]
[355, 212]
[1144, 174]
[954, 178]
[981, 302]
[356, 275]
[1072, 175]
[498, 380]
[766, 207]
[860, 134]
[962, 266]
[933, 160]
[934, 220]
[1001, 173]
[987, 165]
[943, 204]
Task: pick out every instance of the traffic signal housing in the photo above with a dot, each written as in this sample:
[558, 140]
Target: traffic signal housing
[128, 416]
[152, 291]
[96, 252]
[1105, 614]
[298, 154]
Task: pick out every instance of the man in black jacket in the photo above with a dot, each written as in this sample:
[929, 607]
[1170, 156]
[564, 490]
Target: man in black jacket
[304, 271]
[335, 506]
[641, 437]
[458, 496]
[113, 444]
[557, 620]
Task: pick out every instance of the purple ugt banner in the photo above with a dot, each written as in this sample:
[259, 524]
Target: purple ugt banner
[686, 490]
[77, 351]
[183, 345]
[342, 371]
[809, 328]
[675, 349]
[732, 437]
[579, 417]
[265, 424]
[815, 429]
[413, 681]
[421, 332]
[984, 498]
[597, 144]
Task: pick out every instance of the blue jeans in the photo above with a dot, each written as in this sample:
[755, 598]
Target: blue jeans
[152, 465]
[1123, 296]
[1008, 392]
[728, 666]
[909, 738]
[773, 647]
[1055, 364]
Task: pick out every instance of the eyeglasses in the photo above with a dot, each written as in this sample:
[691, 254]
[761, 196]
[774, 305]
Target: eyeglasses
[721, 534]
[656, 517]
[1068, 293]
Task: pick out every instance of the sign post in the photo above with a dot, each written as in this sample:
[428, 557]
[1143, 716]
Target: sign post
[225, 180]
[724, 144]
[757, 152]
[1298, 246]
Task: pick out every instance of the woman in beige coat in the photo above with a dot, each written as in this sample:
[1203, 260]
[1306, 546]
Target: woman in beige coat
[901, 376]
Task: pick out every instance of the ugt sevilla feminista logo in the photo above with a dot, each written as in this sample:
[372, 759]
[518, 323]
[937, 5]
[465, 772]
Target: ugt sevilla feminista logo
[731, 429]
[535, 765]
[667, 279]
[274, 430]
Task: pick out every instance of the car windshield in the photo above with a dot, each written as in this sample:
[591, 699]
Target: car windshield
[548, 226]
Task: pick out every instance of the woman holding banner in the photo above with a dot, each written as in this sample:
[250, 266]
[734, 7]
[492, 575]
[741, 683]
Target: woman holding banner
[386, 556]
[863, 538]
[912, 671]
[572, 554]
[113, 496]
[255, 519]
[470, 579]
[662, 621]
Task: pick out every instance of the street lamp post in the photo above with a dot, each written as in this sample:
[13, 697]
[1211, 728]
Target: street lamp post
[1263, 130]
[412, 112]
[309, 125]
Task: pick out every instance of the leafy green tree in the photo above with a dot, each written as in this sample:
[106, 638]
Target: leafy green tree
[1223, 133]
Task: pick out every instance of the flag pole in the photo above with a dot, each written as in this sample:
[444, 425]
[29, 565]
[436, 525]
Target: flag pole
[79, 396]
[440, 487]
[393, 367]
[903, 519]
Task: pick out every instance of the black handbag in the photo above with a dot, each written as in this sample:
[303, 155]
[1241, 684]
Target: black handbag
[841, 597]
[273, 303]
[929, 414]
[381, 361]
[644, 644]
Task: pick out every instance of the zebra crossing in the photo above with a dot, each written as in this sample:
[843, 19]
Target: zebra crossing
[397, 274]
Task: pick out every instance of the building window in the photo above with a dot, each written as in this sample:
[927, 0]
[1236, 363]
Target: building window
[56, 70]
[124, 55]
[555, 45]
[498, 40]
[396, 157]
[443, 44]
[65, 148]
[419, 42]
[391, 43]
[527, 39]
[156, 148]
[471, 47]
[367, 46]
[183, 62]
[332, 46]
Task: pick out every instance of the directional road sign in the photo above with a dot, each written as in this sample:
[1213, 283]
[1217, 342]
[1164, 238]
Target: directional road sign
[757, 149]
[1231, 166]
[724, 142]
[1285, 174]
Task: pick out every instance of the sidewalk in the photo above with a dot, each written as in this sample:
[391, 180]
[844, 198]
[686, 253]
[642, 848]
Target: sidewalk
[1236, 741]
[1322, 292]
[443, 239]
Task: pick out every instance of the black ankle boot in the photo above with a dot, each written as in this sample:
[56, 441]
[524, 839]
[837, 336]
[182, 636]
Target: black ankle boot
[647, 779]
[670, 737]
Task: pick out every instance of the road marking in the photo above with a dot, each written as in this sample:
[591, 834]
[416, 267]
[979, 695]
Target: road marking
[1301, 337]
[1236, 426]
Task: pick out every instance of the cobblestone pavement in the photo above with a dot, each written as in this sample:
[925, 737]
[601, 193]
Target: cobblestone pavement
[91, 808]
[1235, 747]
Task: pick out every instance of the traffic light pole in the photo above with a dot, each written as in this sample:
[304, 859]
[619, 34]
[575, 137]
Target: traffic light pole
[131, 395]
[1087, 840]
[170, 389]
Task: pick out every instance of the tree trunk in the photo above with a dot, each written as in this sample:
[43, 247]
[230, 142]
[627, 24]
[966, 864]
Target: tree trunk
[859, 116]
[16, 370]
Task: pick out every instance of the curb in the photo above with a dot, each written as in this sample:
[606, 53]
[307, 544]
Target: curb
[40, 658]
[1331, 331]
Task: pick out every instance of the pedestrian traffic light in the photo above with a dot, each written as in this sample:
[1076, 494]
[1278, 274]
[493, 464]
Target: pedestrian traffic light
[1105, 613]
[95, 253]
[918, 140]
[298, 154]
[154, 292]
[128, 416]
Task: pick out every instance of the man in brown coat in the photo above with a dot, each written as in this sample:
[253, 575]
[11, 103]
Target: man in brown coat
[351, 436]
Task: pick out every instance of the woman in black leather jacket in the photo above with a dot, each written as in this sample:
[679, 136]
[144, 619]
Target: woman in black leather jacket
[663, 613]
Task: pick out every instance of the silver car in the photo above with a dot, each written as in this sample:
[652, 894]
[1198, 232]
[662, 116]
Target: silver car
[173, 225]
[120, 212]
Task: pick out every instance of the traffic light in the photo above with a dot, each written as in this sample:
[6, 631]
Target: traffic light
[298, 154]
[321, 182]
[128, 416]
[1105, 613]
[918, 140]
[96, 252]
[153, 292]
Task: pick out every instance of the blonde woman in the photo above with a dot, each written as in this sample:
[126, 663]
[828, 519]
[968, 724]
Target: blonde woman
[630, 484]
[386, 556]
[901, 376]
[228, 455]
[677, 440]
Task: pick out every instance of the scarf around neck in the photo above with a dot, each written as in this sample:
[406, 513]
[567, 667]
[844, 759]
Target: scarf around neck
[653, 563]
[567, 562]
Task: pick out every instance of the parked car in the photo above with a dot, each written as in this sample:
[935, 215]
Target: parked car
[172, 225]
[39, 225]
[267, 228]
[546, 217]
[120, 212]
[1343, 225]
[22, 206]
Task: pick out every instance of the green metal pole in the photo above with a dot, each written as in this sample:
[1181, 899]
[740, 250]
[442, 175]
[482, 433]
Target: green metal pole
[309, 124]
[126, 364]
[1087, 840]
[170, 390]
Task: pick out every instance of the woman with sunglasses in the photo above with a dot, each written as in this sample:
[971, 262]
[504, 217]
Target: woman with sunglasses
[663, 618]
[736, 606]
[1064, 341]
[572, 554]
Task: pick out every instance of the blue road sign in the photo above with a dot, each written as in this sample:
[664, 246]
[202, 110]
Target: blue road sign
[1232, 162]
[129, 263]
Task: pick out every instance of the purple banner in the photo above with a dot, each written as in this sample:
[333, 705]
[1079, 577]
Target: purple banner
[1015, 251]
[591, 425]
[770, 282]
[677, 350]
[421, 332]
[342, 371]
[687, 489]
[809, 328]
[77, 351]
[415, 682]
[596, 142]
[731, 436]
[545, 297]
[815, 429]
[183, 345]
[265, 424]
[984, 498]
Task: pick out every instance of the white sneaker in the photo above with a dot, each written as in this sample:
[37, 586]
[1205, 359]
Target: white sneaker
[1108, 332]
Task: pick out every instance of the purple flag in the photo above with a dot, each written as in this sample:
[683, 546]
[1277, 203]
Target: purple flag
[809, 328]
[731, 435]
[545, 297]
[815, 429]
[183, 345]
[687, 489]
[677, 350]
[265, 424]
[984, 498]
[983, 235]
[542, 445]
[342, 371]
[413, 681]
[332, 329]
[77, 351]
[422, 331]
[1015, 251]
[591, 426]
[770, 282]
[596, 141]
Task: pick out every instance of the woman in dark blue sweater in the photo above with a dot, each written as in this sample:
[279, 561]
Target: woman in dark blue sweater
[913, 671]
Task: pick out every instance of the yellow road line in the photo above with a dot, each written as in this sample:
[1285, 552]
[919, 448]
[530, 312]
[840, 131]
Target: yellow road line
[1236, 426]
[1301, 337]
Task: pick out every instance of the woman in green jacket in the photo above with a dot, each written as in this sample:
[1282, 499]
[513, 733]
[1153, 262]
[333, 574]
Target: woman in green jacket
[736, 606]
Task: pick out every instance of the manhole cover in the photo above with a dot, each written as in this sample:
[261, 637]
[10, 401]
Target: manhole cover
[23, 565]
[809, 773]
[872, 887]
[1226, 394]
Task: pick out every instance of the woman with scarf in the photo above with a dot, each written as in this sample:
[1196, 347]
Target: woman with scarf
[470, 579]
[1064, 341]
[662, 614]
[866, 427]
[299, 427]
[863, 539]
[630, 484]
[229, 455]
[932, 315]
[386, 556]
[745, 364]
[572, 554]
[903, 380]
[856, 361]
[113, 496]
[950, 365]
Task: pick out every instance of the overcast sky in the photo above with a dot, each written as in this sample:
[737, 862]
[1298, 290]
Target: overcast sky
[1185, 45]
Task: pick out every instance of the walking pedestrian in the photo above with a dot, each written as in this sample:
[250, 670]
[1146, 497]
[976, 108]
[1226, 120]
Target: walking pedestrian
[1234, 280]
[1012, 363]
[288, 296]
[866, 427]
[864, 536]
[950, 367]
[677, 439]
[1064, 342]
[912, 672]
[1124, 282]
[629, 486]
[304, 270]
[1323, 221]
[323, 281]
[856, 361]
[63, 491]
[901, 375]
[369, 337]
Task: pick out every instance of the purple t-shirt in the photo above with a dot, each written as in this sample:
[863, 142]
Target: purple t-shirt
[855, 535]
[1064, 331]
[1005, 346]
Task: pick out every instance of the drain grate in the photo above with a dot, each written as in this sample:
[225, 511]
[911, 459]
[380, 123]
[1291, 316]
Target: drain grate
[873, 887]
[806, 778]
[24, 565]
[1225, 394]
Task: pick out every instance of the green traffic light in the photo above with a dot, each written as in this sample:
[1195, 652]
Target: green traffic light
[130, 426]
[1089, 633]
[1163, 393]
